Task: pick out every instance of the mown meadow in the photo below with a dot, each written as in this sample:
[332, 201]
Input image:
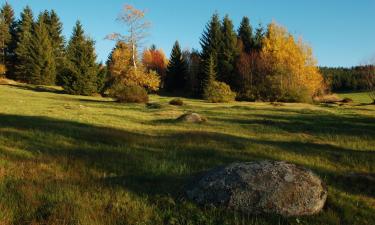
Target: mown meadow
[88, 160]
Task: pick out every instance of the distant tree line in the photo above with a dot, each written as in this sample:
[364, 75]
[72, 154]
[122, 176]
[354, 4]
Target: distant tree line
[266, 64]
[348, 79]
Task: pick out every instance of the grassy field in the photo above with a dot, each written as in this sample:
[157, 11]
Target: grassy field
[358, 97]
[88, 160]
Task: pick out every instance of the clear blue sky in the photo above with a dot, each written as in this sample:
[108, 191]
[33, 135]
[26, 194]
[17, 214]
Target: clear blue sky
[341, 32]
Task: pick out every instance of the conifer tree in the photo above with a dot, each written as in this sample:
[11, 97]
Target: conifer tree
[22, 68]
[42, 62]
[210, 71]
[8, 38]
[211, 43]
[259, 34]
[54, 27]
[176, 70]
[228, 53]
[80, 70]
[245, 34]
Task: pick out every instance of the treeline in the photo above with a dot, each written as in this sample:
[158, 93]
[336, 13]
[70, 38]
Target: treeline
[266, 64]
[348, 79]
[35, 51]
[261, 64]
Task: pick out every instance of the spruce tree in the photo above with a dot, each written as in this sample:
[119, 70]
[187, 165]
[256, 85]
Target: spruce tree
[245, 34]
[42, 62]
[228, 53]
[8, 38]
[210, 70]
[259, 34]
[211, 43]
[176, 70]
[55, 27]
[24, 36]
[80, 70]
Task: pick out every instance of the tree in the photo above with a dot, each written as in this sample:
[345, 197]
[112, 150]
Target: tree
[137, 27]
[80, 70]
[41, 61]
[122, 73]
[176, 70]
[193, 62]
[259, 35]
[211, 43]
[155, 60]
[228, 53]
[289, 67]
[55, 27]
[8, 38]
[210, 71]
[245, 35]
[25, 29]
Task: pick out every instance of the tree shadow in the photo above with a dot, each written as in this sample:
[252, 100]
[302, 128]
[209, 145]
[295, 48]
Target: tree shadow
[159, 164]
[38, 88]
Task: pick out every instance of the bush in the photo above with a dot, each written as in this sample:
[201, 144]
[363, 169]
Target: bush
[176, 101]
[129, 94]
[218, 92]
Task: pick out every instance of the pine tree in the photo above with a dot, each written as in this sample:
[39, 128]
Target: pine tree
[176, 70]
[55, 27]
[211, 43]
[22, 68]
[8, 38]
[80, 70]
[228, 53]
[245, 34]
[42, 62]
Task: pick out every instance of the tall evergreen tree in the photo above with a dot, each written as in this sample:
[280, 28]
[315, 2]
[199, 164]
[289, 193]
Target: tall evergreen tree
[228, 53]
[80, 70]
[55, 27]
[8, 38]
[245, 34]
[210, 70]
[42, 62]
[176, 71]
[24, 36]
[259, 34]
[211, 43]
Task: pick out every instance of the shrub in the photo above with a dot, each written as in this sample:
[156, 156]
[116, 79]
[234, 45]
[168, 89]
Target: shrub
[218, 92]
[176, 101]
[129, 94]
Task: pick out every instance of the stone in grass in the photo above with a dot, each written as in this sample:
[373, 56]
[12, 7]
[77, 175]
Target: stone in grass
[192, 118]
[261, 187]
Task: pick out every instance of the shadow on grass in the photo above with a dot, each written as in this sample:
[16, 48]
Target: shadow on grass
[38, 88]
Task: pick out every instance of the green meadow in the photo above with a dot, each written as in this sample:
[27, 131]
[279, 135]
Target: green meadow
[88, 160]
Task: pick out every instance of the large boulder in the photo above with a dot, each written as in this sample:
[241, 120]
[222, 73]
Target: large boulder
[261, 187]
[192, 118]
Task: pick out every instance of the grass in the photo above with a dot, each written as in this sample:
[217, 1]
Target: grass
[358, 97]
[88, 160]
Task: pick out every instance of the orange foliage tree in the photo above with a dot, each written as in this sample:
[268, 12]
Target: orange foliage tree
[289, 67]
[154, 60]
[122, 72]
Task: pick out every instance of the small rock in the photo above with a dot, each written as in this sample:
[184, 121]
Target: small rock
[261, 187]
[192, 118]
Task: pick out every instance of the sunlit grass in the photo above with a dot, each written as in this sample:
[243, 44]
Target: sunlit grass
[88, 160]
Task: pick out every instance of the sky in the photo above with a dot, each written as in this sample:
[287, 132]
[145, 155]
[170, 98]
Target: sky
[341, 32]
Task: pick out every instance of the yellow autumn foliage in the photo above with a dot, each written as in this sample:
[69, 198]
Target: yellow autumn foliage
[2, 70]
[122, 70]
[291, 70]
